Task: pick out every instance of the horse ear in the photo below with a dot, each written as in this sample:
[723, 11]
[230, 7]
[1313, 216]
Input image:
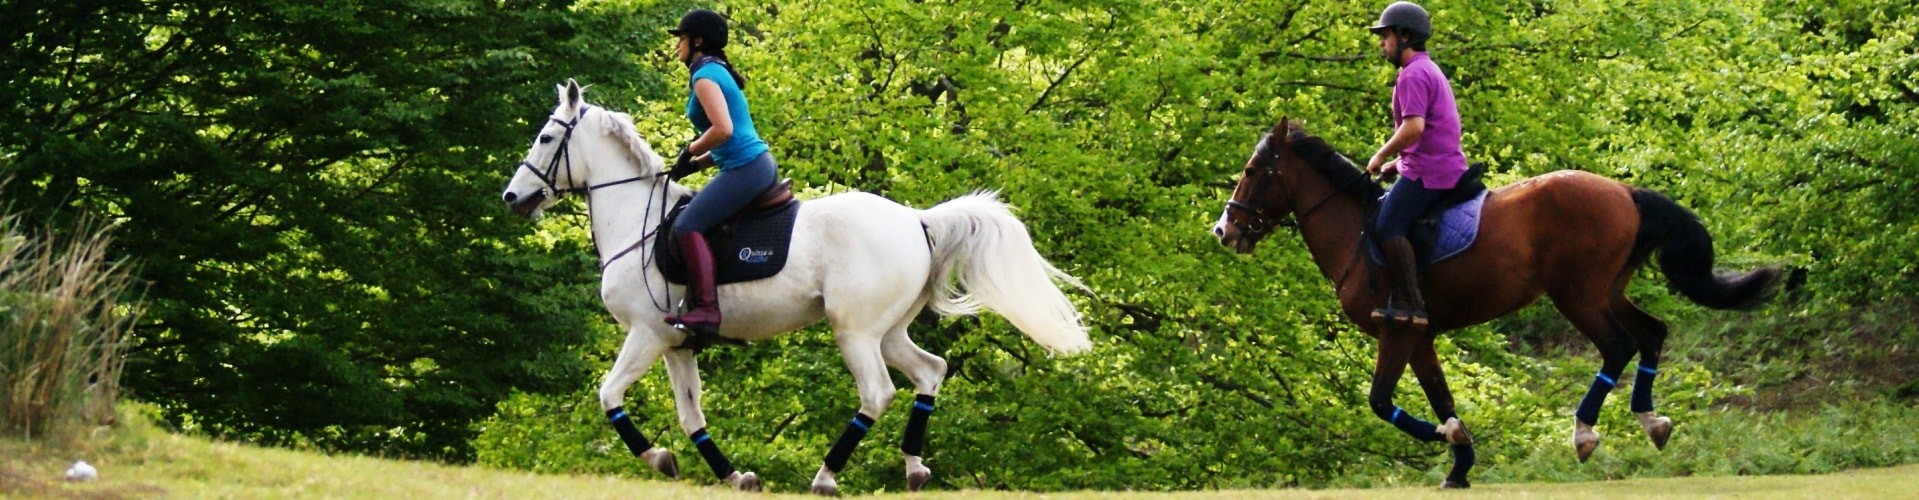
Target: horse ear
[572, 92]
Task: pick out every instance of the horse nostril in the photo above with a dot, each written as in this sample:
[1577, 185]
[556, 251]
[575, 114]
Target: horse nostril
[509, 197]
[1219, 231]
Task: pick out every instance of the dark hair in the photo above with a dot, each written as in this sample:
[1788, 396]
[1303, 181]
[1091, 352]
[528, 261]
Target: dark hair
[1414, 40]
[720, 54]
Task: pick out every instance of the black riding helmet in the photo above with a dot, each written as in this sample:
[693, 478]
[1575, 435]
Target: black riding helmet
[1407, 16]
[709, 26]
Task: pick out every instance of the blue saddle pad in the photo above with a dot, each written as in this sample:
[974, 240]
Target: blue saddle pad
[1436, 238]
[746, 247]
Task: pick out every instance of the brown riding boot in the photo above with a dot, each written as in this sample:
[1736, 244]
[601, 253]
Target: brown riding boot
[1404, 305]
[702, 315]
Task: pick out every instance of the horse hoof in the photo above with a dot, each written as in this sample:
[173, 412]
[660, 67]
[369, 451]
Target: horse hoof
[1585, 441]
[826, 490]
[662, 461]
[746, 481]
[1659, 430]
[1455, 433]
[916, 479]
[1455, 485]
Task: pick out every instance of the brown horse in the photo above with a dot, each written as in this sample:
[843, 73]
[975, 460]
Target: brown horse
[1575, 236]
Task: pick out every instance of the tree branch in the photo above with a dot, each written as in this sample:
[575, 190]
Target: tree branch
[1334, 86]
[1112, 21]
[1057, 81]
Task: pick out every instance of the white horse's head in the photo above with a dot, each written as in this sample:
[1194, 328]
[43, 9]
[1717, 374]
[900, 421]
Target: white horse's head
[549, 169]
[575, 140]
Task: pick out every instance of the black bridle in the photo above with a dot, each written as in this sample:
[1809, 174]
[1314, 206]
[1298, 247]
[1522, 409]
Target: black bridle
[550, 178]
[1263, 223]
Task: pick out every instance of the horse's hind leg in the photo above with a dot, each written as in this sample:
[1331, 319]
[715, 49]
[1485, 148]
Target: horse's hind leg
[1425, 363]
[684, 371]
[861, 349]
[641, 350]
[1616, 346]
[1651, 334]
[926, 371]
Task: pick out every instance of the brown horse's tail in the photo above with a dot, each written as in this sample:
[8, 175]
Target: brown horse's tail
[1686, 256]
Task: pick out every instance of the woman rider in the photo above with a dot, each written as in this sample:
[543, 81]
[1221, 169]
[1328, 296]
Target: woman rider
[726, 138]
[1426, 142]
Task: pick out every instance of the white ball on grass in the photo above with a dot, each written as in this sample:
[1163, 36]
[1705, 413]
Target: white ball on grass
[81, 471]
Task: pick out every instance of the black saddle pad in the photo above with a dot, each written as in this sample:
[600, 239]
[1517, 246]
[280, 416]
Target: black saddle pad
[746, 247]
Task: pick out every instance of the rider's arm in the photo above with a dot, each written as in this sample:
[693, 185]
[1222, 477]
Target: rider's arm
[715, 103]
[1408, 134]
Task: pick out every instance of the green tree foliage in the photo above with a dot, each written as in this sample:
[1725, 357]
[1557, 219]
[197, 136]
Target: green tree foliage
[305, 186]
[1117, 126]
[312, 192]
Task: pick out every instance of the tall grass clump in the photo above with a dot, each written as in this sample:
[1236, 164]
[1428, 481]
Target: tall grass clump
[62, 323]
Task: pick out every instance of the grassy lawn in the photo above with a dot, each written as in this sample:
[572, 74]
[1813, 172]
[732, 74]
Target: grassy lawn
[138, 460]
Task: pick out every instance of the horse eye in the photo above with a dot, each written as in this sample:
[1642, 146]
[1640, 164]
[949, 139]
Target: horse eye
[545, 138]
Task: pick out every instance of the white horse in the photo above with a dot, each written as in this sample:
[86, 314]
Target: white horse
[866, 264]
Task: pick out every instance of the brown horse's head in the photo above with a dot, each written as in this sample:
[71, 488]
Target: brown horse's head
[1261, 202]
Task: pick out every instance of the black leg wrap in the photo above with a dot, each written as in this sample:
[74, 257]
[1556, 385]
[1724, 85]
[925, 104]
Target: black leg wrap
[635, 442]
[1462, 463]
[1411, 425]
[1642, 389]
[850, 439]
[915, 441]
[711, 452]
[1603, 383]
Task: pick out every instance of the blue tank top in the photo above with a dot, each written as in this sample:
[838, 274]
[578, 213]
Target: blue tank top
[745, 145]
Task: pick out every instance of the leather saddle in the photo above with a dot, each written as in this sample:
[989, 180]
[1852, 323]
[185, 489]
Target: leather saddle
[771, 198]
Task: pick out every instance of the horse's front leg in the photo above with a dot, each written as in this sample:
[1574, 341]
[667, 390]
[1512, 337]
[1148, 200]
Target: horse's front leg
[684, 372]
[641, 350]
[1433, 380]
[1396, 345]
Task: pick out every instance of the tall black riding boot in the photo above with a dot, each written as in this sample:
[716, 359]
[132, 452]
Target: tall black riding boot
[1404, 305]
[702, 315]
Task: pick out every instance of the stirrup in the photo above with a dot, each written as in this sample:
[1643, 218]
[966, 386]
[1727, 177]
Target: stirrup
[678, 322]
[1401, 316]
[696, 330]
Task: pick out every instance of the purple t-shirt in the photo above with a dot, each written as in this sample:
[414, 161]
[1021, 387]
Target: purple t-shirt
[1436, 160]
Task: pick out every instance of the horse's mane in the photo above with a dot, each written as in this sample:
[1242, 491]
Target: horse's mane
[623, 128]
[1322, 157]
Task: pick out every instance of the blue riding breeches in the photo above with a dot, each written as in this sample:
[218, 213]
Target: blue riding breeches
[1403, 204]
[726, 194]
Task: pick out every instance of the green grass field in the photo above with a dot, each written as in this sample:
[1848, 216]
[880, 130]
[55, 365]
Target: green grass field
[139, 460]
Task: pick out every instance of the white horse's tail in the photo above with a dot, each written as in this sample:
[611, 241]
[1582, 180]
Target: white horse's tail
[983, 256]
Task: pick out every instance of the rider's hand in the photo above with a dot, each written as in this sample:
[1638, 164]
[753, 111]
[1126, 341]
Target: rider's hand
[683, 166]
[1373, 165]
